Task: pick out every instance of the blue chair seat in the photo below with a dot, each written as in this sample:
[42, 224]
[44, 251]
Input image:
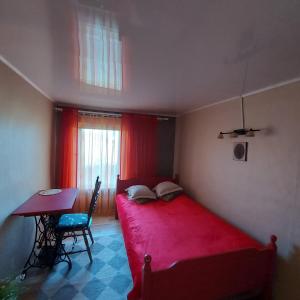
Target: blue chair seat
[73, 221]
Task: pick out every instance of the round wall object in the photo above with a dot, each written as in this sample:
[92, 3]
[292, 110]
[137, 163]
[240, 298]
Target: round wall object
[240, 151]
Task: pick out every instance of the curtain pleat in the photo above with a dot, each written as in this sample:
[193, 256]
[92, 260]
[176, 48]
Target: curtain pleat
[138, 146]
[67, 149]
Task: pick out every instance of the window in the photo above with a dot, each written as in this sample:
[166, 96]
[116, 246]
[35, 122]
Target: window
[99, 155]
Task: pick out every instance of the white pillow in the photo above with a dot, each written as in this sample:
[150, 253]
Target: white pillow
[140, 192]
[166, 187]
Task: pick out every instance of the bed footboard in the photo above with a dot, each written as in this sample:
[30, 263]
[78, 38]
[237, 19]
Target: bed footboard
[213, 277]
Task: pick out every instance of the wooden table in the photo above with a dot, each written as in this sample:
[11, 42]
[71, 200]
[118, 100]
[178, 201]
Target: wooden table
[46, 211]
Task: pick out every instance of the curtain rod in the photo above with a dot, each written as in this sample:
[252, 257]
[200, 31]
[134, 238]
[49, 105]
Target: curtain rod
[107, 114]
[99, 113]
[91, 112]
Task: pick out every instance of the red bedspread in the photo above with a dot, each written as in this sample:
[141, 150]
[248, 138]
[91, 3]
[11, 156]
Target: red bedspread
[173, 231]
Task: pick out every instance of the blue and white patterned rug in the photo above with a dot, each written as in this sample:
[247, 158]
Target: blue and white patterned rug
[108, 277]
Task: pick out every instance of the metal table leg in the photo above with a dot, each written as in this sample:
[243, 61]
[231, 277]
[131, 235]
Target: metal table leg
[48, 249]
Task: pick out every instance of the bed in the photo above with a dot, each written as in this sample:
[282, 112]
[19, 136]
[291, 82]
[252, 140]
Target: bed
[180, 250]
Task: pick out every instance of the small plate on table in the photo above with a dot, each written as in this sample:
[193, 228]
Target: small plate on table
[50, 192]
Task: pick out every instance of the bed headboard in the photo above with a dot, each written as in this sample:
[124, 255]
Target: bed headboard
[151, 182]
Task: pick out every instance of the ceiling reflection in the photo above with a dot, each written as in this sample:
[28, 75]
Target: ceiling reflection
[100, 48]
[150, 56]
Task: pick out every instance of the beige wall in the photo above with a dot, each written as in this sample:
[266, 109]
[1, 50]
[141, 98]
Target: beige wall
[261, 196]
[25, 141]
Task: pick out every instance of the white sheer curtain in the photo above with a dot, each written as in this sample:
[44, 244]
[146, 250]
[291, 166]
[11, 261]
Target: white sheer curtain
[100, 48]
[98, 155]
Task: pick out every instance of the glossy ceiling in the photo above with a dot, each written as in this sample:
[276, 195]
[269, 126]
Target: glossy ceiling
[182, 54]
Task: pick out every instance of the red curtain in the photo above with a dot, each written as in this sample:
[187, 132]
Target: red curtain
[67, 148]
[138, 146]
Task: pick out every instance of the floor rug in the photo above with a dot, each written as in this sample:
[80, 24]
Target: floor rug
[108, 277]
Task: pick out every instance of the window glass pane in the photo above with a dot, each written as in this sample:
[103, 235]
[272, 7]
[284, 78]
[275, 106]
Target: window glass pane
[98, 155]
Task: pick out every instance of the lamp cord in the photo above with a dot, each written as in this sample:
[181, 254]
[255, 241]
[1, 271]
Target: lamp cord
[244, 82]
[245, 78]
[243, 113]
[242, 91]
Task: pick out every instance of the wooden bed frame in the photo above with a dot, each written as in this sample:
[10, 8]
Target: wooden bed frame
[231, 275]
[245, 273]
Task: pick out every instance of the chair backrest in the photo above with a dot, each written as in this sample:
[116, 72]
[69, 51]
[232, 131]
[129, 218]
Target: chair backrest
[95, 197]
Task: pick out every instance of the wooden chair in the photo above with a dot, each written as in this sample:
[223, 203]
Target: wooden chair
[78, 224]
